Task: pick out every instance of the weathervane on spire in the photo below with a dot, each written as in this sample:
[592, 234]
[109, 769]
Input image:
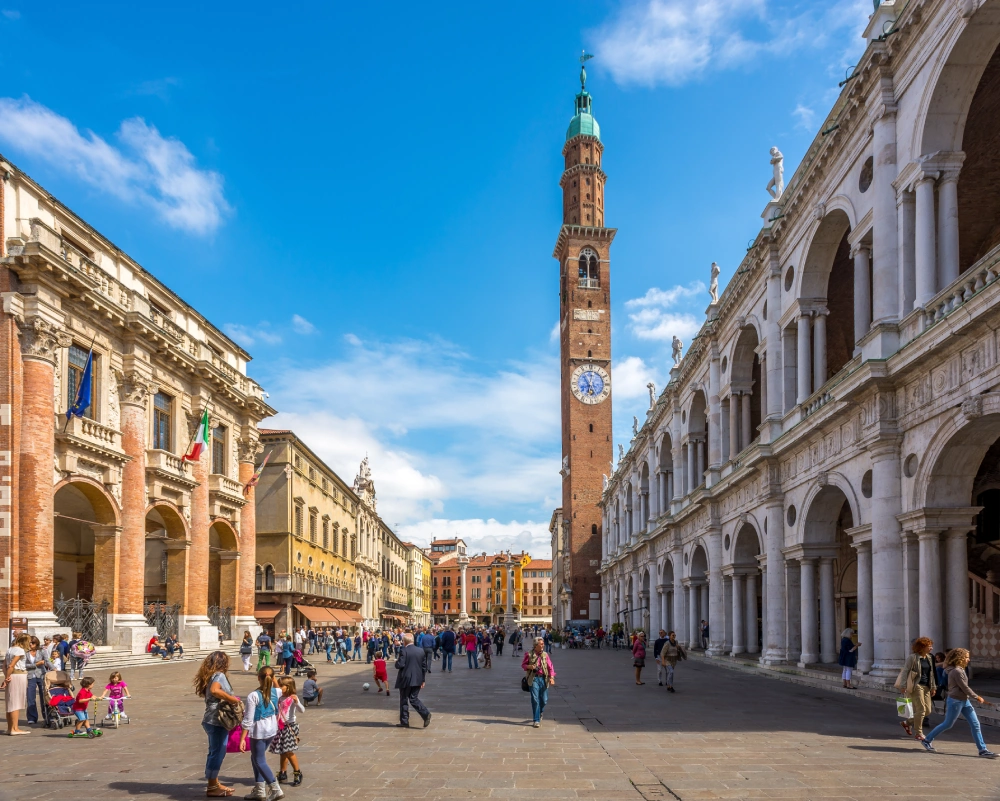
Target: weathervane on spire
[584, 58]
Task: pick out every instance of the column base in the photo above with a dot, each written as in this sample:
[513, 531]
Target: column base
[197, 633]
[828, 659]
[43, 624]
[808, 659]
[715, 650]
[738, 649]
[774, 658]
[864, 667]
[131, 633]
[246, 623]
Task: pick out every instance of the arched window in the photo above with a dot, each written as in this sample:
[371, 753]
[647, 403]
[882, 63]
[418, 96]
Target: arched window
[269, 578]
[590, 272]
[258, 579]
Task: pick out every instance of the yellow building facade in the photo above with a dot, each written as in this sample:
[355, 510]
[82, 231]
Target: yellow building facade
[307, 517]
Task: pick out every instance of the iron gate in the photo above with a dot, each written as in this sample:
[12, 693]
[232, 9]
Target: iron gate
[221, 616]
[163, 617]
[87, 617]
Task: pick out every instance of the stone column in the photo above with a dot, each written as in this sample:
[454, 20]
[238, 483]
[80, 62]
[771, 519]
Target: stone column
[670, 489]
[819, 349]
[665, 622]
[130, 629]
[739, 623]
[866, 631]
[746, 430]
[887, 559]
[763, 606]
[198, 632]
[734, 425]
[705, 606]
[714, 416]
[727, 615]
[911, 586]
[700, 477]
[644, 610]
[107, 568]
[827, 612]
[906, 234]
[862, 293]
[693, 634]
[804, 359]
[248, 448]
[692, 460]
[807, 582]
[885, 264]
[763, 384]
[775, 636]
[509, 609]
[775, 381]
[463, 608]
[793, 610]
[925, 249]
[753, 633]
[931, 602]
[41, 341]
[957, 582]
[948, 228]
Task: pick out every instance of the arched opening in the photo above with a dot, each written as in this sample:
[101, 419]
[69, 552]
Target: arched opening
[223, 565]
[645, 596]
[667, 606]
[741, 413]
[589, 269]
[643, 497]
[744, 625]
[696, 447]
[828, 576]
[85, 530]
[665, 475]
[698, 596]
[166, 555]
[628, 513]
[829, 291]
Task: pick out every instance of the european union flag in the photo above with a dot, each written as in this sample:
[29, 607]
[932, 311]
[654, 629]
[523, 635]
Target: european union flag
[82, 402]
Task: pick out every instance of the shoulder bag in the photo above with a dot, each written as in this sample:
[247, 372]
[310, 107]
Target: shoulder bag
[230, 714]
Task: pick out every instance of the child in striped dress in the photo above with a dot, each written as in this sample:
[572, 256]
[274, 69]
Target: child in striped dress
[286, 741]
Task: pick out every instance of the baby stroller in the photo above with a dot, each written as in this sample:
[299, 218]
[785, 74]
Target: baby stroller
[57, 699]
[302, 665]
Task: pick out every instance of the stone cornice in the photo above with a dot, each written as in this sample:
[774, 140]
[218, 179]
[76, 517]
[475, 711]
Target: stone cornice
[581, 232]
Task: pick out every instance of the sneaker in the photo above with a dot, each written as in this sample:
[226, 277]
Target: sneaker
[987, 754]
[928, 747]
[257, 794]
[274, 792]
[535, 725]
[282, 776]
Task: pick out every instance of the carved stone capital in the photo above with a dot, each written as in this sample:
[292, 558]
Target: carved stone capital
[41, 340]
[248, 448]
[134, 388]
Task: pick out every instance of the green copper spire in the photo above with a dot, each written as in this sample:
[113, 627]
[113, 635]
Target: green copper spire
[583, 122]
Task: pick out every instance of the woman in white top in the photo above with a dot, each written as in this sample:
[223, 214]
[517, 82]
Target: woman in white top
[15, 682]
[260, 724]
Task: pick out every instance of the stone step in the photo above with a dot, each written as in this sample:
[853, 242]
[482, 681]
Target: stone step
[867, 687]
[108, 659]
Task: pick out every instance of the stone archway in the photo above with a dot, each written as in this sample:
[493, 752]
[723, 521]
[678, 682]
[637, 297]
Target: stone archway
[743, 628]
[223, 566]
[87, 529]
[741, 412]
[167, 543]
[698, 595]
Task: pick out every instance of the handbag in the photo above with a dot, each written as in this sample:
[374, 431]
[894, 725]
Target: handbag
[230, 714]
[525, 684]
[233, 741]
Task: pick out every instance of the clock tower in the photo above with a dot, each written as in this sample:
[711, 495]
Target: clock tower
[583, 250]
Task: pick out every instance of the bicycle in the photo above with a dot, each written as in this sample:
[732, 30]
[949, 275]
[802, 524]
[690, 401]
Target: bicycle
[116, 713]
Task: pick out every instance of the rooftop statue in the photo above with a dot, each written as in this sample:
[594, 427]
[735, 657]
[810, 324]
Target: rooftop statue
[777, 183]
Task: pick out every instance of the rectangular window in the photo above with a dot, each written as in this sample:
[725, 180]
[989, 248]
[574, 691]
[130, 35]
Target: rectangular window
[326, 535]
[312, 527]
[77, 364]
[162, 408]
[219, 450]
[298, 520]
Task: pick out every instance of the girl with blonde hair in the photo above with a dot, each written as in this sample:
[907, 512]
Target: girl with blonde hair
[959, 702]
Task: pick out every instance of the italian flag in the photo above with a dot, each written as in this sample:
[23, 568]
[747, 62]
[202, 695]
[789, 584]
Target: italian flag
[201, 440]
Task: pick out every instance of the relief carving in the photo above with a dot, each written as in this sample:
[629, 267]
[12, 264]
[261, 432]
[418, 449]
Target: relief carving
[114, 410]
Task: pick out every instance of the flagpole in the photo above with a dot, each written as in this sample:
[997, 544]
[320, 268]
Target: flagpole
[90, 360]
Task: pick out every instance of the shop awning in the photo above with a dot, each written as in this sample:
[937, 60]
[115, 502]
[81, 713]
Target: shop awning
[318, 615]
[266, 613]
[350, 617]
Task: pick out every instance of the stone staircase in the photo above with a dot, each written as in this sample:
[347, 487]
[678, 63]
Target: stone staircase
[107, 658]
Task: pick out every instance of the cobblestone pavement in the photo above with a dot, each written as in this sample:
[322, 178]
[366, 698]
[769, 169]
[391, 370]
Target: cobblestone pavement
[724, 734]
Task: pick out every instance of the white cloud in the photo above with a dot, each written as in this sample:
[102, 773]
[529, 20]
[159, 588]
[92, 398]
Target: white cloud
[631, 375]
[248, 336]
[554, 333]
[481, 535]
[439, 427]
[805, 117]
[302, 325]
[671, 42]
[652, 317]
[10, 13]
[148, 169]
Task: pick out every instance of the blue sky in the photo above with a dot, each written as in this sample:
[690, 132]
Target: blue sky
[366, 197]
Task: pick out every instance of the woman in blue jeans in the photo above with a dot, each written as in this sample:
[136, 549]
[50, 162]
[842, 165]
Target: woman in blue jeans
[212, 683]
[959, 702]
[540, 675]
[36, 663]
[260, 724]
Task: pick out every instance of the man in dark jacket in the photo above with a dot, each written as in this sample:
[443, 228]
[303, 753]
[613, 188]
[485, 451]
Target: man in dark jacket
[426, 641]
[448, 649]
[410, 680]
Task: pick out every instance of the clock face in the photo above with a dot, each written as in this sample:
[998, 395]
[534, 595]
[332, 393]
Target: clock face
[591, 383]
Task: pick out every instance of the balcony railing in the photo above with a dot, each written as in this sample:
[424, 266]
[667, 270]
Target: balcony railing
[387, 604]
[306, 586]
[167, 462]
[225, 485]
[590, 283]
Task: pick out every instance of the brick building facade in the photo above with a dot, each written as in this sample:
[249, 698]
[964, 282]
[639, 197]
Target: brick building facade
[102, 507]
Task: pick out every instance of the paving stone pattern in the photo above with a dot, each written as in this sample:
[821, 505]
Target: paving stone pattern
[724, 734]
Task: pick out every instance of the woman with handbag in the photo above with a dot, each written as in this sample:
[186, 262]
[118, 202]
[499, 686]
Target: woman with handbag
[639, 656]
[246, 650]
[212, 683]
[539, 675]
[917, 681]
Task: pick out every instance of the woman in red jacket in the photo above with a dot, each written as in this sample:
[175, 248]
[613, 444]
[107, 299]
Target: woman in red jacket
[470, 642]
[639, 656]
